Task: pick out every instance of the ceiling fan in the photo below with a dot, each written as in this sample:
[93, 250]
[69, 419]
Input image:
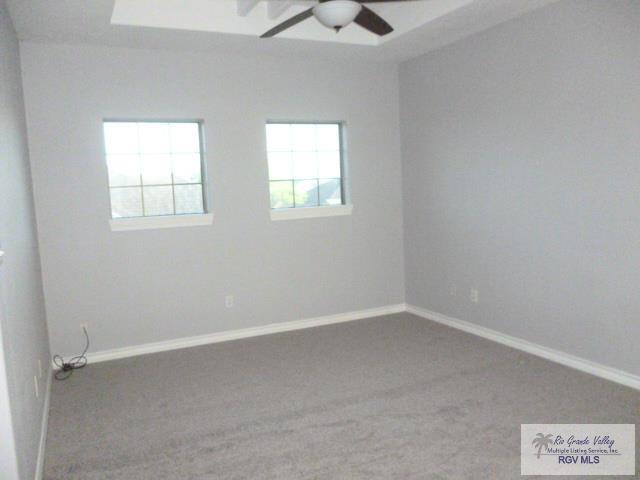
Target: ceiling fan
[337, 14]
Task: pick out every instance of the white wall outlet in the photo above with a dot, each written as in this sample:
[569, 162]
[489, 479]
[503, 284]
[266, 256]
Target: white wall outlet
[228, 301]
[453, 289]
[35, 384]
[39, 368]
[474, 295]
[83, 327]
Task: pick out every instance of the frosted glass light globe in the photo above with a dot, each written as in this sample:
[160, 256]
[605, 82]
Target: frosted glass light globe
[337, 13]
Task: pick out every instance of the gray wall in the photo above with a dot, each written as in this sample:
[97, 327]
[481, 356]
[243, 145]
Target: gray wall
[23, 328]
[145, 286]
[521, 163]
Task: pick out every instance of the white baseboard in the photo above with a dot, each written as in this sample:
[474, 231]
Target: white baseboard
[568, 360]
[43, 428]
[105, 355]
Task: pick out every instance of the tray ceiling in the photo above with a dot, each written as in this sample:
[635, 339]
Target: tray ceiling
[254, 17]
[233, 26]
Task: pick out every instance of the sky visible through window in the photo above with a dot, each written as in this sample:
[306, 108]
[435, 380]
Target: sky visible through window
[155, 168]
[305, 165]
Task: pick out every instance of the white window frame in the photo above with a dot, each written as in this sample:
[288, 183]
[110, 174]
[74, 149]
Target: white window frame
[160, 221]
[311, 212]
[164, 221]
[299, 213]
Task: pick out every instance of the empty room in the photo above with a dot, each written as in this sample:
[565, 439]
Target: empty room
[319, 239]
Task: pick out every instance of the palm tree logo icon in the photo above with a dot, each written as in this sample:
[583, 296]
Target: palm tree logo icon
[542, 441]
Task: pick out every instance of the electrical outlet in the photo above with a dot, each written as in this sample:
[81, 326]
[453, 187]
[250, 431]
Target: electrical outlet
[474, 295]
[453, 290]
[35, 384]
[83, 327]
[228, 301]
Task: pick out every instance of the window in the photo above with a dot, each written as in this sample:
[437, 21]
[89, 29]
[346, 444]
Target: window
[155, 168]
[305, 165]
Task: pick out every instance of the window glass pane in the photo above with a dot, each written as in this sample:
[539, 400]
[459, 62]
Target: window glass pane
[303, 137]
[306, 192]
[126, 202]
[310, 155]
[154, 137]
[329, 164]
[330, 191]
[305, 165]
[159, 157]
[156, 169]
[186, 168]
[280, 166]
[278, 137]
[188, 199]
[121, 137]
[158, 200]
[185, 137]
[124, 170]
[328, 137]
[281, 194]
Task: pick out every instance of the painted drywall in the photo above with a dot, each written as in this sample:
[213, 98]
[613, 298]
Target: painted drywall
[520, 174]
[146, 286]
[23, 328]
[8, 457]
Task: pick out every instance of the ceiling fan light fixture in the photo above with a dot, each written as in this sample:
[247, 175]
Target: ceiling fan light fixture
[337, 14]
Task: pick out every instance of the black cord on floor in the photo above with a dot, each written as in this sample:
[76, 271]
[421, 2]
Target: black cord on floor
[65, 369]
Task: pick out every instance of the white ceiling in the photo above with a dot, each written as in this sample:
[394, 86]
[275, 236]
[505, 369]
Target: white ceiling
[234, 25]
[254, 17]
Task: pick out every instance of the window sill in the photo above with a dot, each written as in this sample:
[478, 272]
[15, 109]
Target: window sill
[152, 223]
[311, 212]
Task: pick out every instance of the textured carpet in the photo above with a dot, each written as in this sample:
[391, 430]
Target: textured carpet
[393, 397]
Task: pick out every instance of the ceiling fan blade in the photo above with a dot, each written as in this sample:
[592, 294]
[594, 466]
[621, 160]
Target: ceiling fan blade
[373, 22]
[288, 23]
